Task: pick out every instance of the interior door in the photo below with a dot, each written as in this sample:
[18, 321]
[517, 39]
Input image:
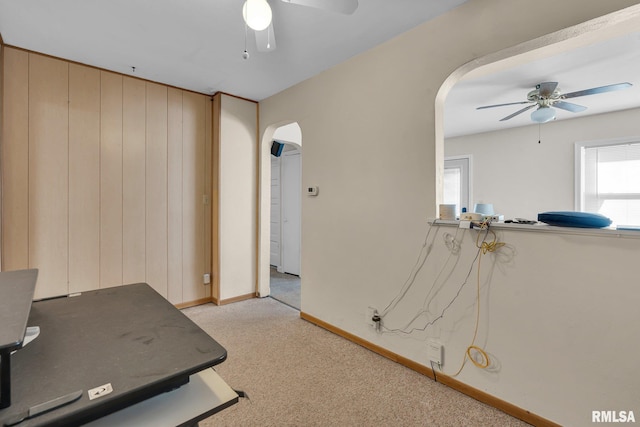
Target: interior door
[274, 258]
[291, 212]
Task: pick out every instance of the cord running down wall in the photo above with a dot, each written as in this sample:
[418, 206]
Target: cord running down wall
[474, 353]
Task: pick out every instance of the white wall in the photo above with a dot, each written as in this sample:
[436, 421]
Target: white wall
[370, 138]
[289, 133]
[523, 178]
[238, 192]
[558, 318]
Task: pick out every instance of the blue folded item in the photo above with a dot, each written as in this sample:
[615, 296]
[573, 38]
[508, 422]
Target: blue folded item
[574, 219]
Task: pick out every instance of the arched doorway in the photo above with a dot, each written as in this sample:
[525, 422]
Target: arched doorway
[280, 214]
[286, 215]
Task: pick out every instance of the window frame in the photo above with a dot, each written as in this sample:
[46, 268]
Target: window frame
[579, 167]
[468, 168]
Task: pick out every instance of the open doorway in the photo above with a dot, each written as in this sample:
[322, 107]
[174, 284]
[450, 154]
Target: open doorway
[285, 222]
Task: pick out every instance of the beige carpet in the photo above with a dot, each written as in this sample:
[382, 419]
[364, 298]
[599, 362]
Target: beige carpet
[297, 374]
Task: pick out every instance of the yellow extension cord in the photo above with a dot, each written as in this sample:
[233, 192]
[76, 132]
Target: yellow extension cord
[485, 247]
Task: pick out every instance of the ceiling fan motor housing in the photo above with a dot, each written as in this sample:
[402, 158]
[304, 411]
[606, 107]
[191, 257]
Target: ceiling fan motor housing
[544, 101]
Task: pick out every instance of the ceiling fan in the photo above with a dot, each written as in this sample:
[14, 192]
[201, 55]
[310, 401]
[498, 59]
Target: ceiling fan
[257, 16]
[547, 95]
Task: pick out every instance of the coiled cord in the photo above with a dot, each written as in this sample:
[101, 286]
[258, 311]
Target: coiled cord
[485, 247]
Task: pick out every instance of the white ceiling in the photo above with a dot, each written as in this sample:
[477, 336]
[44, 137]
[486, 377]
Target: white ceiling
[607, 62]
[198, 44]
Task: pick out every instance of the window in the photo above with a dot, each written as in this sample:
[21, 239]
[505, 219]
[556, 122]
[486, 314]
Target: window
[457, 187]
[608, 180]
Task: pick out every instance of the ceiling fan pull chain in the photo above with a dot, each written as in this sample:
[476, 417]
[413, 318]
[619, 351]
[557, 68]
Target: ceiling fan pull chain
[245, 54]
[539, 137]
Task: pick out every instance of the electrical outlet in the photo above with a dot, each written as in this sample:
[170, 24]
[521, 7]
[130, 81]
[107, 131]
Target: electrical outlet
[206, 278]
[369, 316]
[435, 352]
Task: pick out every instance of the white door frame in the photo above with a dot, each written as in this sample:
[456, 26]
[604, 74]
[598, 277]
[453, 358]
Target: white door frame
[291, 214]
[263, 219]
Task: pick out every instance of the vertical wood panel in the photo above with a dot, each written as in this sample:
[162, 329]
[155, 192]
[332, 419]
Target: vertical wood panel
[84, 178]
[156, 194]
[134, 176]
[104, 178]
[208, 150]
[215, 198]
[110, 180]
[15, 160]
[174, 192]
[193, 191]
[49, 173]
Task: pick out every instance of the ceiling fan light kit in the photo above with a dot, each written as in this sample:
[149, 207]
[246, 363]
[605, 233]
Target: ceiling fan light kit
[543, 115]
[257, 14]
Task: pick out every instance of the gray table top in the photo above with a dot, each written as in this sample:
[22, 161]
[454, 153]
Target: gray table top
[128, 337]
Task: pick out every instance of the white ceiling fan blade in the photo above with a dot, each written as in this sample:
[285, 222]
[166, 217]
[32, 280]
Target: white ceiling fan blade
[484, 107]
[346, 7]
[510, 116]
[569, 106]
[546, 89]
[595, 90]
[266, 39]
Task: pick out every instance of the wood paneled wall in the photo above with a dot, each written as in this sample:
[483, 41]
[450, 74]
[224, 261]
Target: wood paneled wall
[106, 179]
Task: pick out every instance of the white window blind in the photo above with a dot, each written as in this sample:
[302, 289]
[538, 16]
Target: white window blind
[452, 178]
[611, 181]
[457, 184]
